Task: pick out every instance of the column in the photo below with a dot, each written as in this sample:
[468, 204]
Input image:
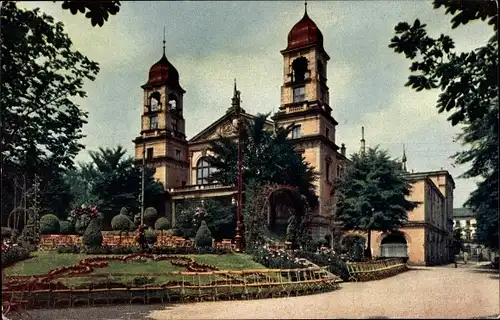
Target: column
[173, 212]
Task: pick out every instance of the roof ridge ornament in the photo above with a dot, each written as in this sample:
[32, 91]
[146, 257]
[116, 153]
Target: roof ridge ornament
[305, 8]
[164, 40]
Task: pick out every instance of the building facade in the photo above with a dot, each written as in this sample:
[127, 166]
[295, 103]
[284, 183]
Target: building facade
[465, 219]
[182, 168]
[181, 165]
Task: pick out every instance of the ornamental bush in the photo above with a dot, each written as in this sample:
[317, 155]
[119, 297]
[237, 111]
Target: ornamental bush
[203, 237]
[121, 222]
[65, 227]
[150, 216]
[163, 223]
[124, 211]
[150, 236]
[93, 235]
[49, 224]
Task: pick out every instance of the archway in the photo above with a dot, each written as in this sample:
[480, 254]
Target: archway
[273, 208]
[394, 245]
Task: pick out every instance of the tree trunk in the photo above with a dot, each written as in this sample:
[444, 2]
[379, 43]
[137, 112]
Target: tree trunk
[368, 252]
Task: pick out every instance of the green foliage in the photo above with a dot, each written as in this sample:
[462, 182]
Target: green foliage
[163, 223]
[220, 217]
[469, 85]
[150, 236]
[150, 215]
[65, 227]
[203, 237]
[115, 182]
[98, 11]
[40, 74]
[125, 212]
[6, 232]
[371, 193]
[121, 222]
[269, 157]
[49, 224]
[93, 235]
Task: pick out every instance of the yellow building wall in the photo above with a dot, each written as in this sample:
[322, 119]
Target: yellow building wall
[417, 194]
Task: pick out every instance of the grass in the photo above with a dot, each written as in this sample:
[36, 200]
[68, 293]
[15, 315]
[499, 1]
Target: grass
[43, 262]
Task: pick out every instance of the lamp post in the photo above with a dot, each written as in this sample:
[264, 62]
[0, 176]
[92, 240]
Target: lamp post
[142, 179]
[238, 124]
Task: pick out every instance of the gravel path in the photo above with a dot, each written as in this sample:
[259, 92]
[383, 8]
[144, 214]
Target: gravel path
[437, 292]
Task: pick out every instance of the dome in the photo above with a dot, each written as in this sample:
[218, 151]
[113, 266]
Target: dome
[163, 72]
[304, 33]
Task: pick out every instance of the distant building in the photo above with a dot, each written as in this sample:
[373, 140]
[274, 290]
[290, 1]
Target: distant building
[465, 219]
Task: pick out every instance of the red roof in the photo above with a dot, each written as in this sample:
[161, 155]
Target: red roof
[163, 72]
[304, 33]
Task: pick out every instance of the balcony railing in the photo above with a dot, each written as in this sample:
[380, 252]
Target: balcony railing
[198, 187]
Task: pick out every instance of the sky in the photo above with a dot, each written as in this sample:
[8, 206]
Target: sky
[210, 43]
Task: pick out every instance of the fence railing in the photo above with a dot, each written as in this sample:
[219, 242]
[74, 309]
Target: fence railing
[93, 289]
[371, 270]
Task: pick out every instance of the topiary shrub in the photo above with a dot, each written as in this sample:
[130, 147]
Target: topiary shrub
[49, 224]
[121, 223]
[203, 237]
[6, 232]
[150, 236]
[150, 216]
[163, 223]
[65, 227]
[124, 211]
[93, 236]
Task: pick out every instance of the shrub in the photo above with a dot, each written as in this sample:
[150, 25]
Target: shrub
[275, 259]
[121, 222]
[124, 211]
[163, 223]
[49, 224]
[177, 232]
[65, 227]
[13, 254]
[6, 232]
[150, 216]
[93, 236]
[333, 263]
[150, 236]
[203, 237]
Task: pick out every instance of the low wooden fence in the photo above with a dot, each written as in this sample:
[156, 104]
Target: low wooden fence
[372, 270]
[98, 289]
[52, 241]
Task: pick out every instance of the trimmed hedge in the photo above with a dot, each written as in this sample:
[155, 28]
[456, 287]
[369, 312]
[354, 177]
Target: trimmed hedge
[135, 248]
[121, 222]
[65, 227]
[93, 236]
[163, 223]
[203, 237]
[49, 224]
[150, 215]
[150, 236]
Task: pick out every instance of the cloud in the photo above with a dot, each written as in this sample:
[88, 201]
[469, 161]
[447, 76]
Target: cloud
[211, 43]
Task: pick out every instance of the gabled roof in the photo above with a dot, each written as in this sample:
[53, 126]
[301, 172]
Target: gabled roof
[208, 132]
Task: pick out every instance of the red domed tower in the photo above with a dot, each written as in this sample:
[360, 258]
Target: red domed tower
[305, 104]
[162, 142]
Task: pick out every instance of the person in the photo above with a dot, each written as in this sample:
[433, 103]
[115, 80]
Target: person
[465, 257]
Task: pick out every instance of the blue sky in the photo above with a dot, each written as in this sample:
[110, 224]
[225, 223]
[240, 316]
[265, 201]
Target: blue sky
[210, 43]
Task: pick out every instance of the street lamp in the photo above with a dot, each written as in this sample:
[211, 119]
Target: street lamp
[237, 123]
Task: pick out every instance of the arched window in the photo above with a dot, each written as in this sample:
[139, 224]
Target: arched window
[299, 67]
[203, 171]
[154, 101]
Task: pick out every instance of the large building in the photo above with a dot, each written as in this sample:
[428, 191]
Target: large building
[182, 167]
[180, 163]
[465, 219]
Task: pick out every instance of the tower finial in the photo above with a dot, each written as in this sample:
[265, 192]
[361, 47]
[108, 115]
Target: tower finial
[363, 140]
[404, 158]
[235, 90]
[305, 7]
[164, 40]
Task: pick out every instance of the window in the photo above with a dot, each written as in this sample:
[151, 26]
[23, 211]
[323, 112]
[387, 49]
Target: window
[178, 154]
[467, 223]
[299, 94]
[327, 171]
[154, 101]
[203, 171]
[338, 171]
[149, 153]
[153, 122]
[299, 67]
[327, 133]
[296, 132]
[175, 126]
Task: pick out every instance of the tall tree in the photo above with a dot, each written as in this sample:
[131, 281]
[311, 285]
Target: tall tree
[371, 194]
[469, 90]
[41, 72]
[117, 183]
[267, 157]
